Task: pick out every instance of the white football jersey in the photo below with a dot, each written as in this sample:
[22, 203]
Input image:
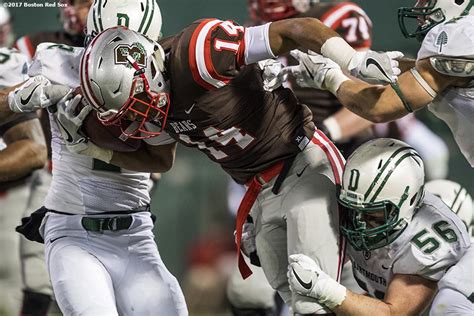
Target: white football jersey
[461, 276]
[81, 184]
[433, 241]
[455, 106]
[13, 67]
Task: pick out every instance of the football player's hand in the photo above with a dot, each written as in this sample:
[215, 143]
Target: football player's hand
[306, 278]
[273, 74]
[247, 243]
[36, 93]
[316, 71]
[70, 121]
[374, 67]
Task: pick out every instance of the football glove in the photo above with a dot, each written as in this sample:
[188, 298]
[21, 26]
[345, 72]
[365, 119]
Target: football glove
[374, 67]
[316, 71]
[36, 93]
[306, 278]
[247, 243]
[273, 74]
[70, 124]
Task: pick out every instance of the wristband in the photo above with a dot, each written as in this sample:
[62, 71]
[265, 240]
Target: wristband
[332, 294]
[339, 51]
[97, 152]
[334, 79]
[333, 128]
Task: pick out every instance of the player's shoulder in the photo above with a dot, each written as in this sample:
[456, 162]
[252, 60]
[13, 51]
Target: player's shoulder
[13, 67]
[57, 62]
[434, 240]
[454, 38]
[461, 276]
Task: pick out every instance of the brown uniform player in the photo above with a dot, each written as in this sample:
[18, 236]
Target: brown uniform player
[219, 105]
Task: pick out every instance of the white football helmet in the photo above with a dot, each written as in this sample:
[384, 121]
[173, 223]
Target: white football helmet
[142, 16]
[454, 196]
[429, 13]
[381, 189]
[123, 78]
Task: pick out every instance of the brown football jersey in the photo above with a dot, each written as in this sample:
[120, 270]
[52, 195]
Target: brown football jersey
[219, 105]
[355, 27]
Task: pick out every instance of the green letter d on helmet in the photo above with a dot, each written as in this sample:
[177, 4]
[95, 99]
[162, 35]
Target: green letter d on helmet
[142, 16]
[417, 21]
[381, 189]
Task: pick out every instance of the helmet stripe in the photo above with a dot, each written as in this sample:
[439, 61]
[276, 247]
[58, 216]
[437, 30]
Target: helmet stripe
[382, 185]
[385, 166]
[150, 19]
[460, 192]
[100, 16]
[147, 7]
[94, 15]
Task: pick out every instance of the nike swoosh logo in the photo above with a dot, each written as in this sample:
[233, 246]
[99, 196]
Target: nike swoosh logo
[190, 109]
[25, 101]
[299, 174]
[371, 61]
[384, 267]
[69, 136]
[307, 286]
[53, 240]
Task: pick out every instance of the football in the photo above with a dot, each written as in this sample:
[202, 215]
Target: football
[107, 136]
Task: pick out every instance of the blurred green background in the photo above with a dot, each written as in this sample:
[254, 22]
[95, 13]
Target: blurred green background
[191, 199]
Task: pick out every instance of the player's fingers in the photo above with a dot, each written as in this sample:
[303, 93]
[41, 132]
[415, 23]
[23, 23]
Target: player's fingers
[297, 54]
[71, 105]
[395, 54]
[84, 112]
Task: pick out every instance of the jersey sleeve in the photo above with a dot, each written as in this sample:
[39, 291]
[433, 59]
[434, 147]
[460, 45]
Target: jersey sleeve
[58, 63]
[450, 39]
[351, 22]
[13, 67]
[216, 51]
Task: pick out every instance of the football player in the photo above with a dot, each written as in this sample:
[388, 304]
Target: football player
[401, 238]
[353, 24]
[442, 77]
[97, 227]
[20, 186]
[253, 133]
[455, 290]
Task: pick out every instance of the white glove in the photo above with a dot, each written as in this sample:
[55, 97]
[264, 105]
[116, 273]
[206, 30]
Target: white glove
[36, 93]
[374, 67]
[247, 243]
[316, 71]
[306, 278]
[273, 74]
[70, 124]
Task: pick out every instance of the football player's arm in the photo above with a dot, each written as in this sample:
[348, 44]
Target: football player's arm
[382, 103]
[6, 115]
[406, 295]
[344, 124]
[25, 152]
[147, 158]
[289, 34]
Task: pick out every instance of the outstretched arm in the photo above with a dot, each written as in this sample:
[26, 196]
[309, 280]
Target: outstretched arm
[383, 104]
